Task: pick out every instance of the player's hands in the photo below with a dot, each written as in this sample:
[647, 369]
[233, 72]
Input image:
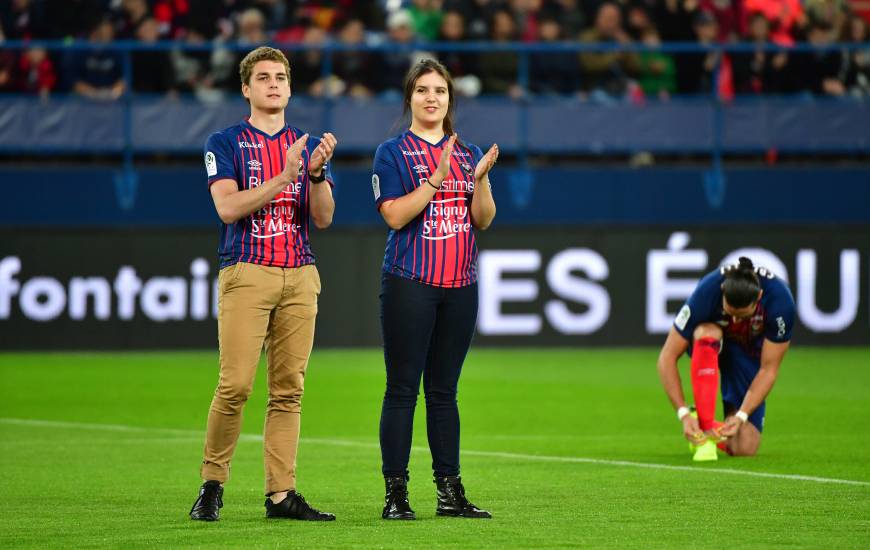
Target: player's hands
[443, 169]
[322, 154]
[292, 160]
[486, 163]
[692, 431]
[731, 427]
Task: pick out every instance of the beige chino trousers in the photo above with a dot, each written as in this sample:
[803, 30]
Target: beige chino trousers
[276, 307]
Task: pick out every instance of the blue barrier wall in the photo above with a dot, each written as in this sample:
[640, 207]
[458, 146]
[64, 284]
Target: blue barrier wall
[552, 125]
[698, 123]
[64, 196]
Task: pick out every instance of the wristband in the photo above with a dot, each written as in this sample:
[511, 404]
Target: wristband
[431, 184]
[741, 414]
[682, 411]
[317, 179]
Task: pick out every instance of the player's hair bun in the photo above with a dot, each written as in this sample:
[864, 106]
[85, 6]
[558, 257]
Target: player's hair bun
[741, 284]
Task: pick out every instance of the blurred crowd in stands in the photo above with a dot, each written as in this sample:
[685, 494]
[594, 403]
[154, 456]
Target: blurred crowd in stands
[212, 74]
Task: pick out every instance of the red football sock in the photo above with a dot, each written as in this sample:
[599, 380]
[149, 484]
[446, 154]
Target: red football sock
[705, 379]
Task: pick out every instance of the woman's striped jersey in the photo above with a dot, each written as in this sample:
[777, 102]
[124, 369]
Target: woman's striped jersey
[438, 246]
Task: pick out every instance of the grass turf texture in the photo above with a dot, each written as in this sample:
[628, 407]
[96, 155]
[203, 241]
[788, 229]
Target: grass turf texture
[79, 485]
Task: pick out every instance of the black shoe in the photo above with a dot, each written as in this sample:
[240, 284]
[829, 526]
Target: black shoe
[396, 505]
[452, 501]
[295, 507]
[207, 507]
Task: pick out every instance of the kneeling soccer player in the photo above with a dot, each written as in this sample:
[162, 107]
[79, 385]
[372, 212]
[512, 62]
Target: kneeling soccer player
[738, 320]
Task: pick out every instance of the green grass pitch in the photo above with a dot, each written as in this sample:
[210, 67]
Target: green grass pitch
[567, 448]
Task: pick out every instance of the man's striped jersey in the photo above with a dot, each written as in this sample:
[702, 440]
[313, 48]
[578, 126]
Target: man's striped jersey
[277, 234]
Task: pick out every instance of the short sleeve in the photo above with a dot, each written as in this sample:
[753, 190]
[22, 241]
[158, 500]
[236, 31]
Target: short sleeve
[219, 163]
[476, 155]
[386, 177]
[701, 306]
[779, 318]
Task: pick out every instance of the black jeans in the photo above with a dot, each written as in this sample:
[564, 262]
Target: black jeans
[427, 331]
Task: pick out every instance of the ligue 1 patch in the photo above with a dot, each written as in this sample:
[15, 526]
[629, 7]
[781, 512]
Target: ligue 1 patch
[210, 164]
[683, 317]
[376, 186]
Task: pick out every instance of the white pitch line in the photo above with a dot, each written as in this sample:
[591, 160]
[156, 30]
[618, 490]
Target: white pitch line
[489, 454]
[654, 466]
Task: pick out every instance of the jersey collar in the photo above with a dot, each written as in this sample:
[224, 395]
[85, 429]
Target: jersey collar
[247, 124]
[441, 142]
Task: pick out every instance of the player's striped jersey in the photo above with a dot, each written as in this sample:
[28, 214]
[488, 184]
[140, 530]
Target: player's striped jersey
[277, 234]
[438, 246]
[773, 318]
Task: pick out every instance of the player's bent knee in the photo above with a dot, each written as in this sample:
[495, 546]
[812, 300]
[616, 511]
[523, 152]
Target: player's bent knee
[744, 450]
[707, 330]
[747, 442]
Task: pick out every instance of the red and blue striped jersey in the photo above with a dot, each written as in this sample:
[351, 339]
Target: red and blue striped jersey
[438, 246]
[277, 234]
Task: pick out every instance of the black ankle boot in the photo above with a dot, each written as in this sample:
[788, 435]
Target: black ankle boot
[452, 501]
[396, 505]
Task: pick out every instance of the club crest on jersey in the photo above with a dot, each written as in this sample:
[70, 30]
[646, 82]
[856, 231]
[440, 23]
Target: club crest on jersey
[421, 169]
[254, 165]
[466, 167]
[757, 322]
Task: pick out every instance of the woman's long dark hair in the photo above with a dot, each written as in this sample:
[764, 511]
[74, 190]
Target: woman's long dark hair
[427, 66]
